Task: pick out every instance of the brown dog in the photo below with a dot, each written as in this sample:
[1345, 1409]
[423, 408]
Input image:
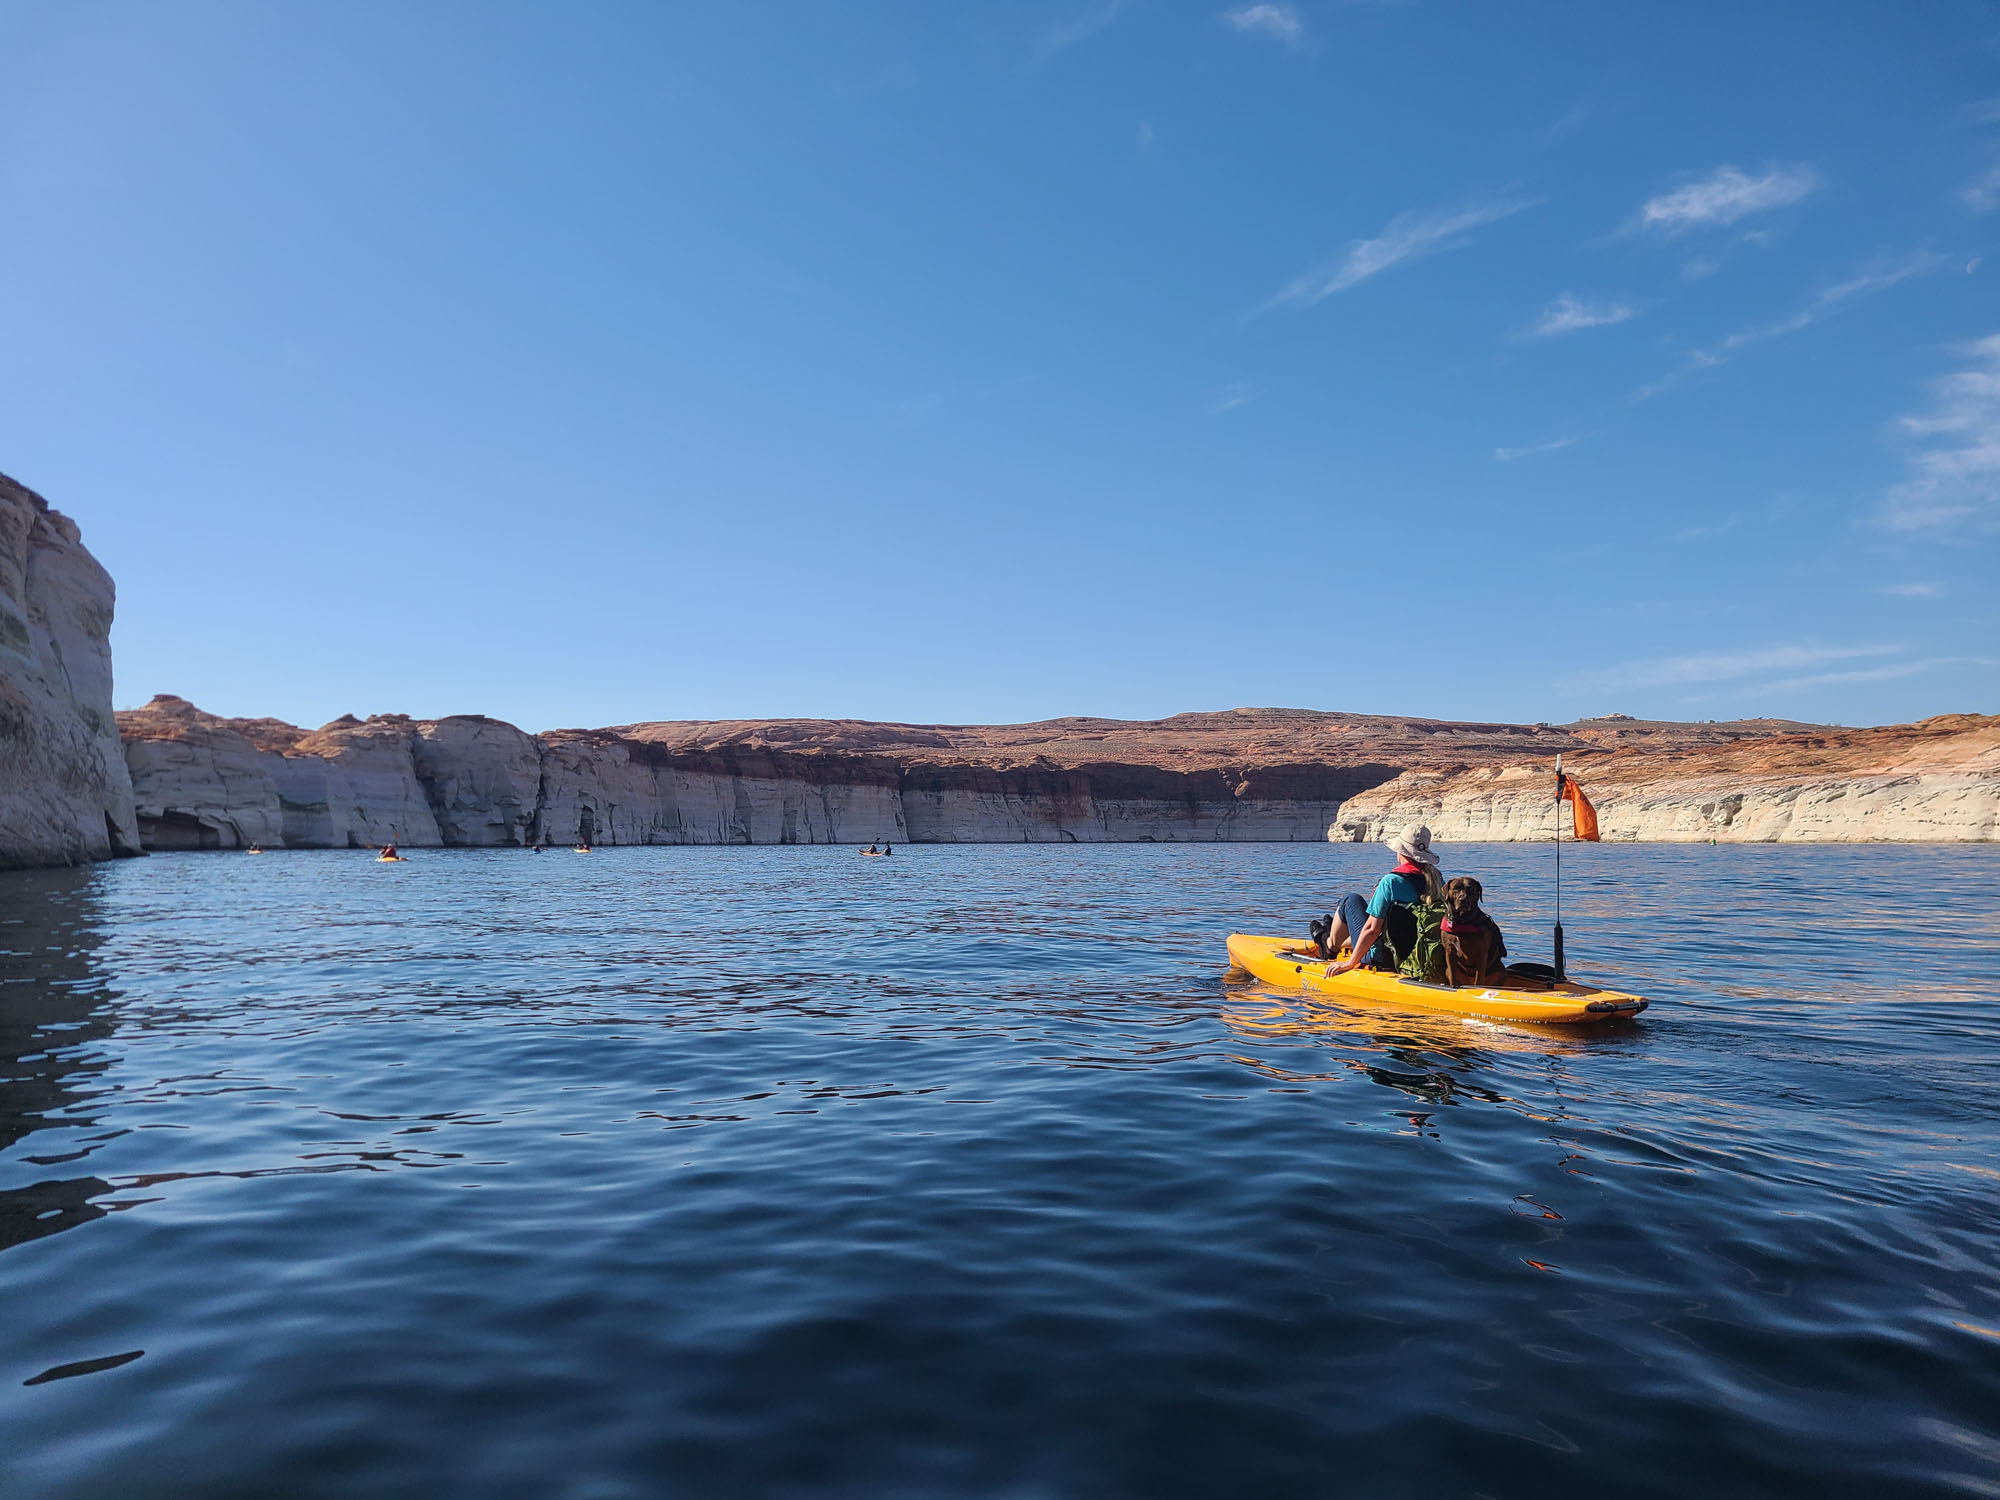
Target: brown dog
[1473, 947]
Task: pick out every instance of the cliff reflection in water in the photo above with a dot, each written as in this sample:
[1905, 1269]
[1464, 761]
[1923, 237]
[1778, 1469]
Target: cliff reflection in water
[55, 1010]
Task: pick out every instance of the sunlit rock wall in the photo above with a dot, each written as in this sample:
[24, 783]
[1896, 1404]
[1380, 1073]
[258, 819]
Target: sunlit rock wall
[482, 778]
[372, 777]
[200, 784]
[65, 793]
[203, 782]
[471, 781]
[1951, 806]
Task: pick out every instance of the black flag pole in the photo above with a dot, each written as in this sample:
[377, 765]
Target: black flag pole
[1559, 868]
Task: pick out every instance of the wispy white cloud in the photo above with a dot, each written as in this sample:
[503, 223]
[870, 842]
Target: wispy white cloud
[1278, 22]
[1913, 590]
[1571, 120]
[1868, 674]
[1982, 194]
[1080, 27]
[1407, 237]
[1824, 304]
[1956, 475]
[1508, 455]
[1724, 196]
[1145, 140]
[1233, 395]
[1879, 278]
[1716, 253]
[1726, 666]
[1567, 314]
[1859, 674]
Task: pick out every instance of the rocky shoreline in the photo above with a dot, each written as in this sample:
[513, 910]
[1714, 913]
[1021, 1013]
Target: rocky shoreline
[1249, 775]
[1933, 782]
[79, 783]
[203, 782]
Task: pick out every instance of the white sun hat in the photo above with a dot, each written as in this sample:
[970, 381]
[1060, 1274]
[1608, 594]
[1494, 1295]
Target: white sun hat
[1414, 845]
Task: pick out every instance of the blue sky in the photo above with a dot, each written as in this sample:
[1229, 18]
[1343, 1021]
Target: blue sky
[584, 364]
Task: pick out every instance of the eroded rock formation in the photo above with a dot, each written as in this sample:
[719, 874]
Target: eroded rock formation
[1249, 774]
[1933, 782]
[483, 778]
[184, 779]
[203, 782]
[213, 783]
[65, 795]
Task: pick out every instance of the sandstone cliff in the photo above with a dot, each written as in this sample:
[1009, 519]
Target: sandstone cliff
[1934, 782]
[65, 795]
[1248, 774]
[203, 782]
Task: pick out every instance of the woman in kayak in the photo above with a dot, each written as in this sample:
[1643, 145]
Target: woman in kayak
[1387, 913]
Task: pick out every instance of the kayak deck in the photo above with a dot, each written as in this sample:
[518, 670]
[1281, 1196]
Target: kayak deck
[1289, 963]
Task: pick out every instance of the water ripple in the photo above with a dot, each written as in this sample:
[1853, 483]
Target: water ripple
[775, 1172]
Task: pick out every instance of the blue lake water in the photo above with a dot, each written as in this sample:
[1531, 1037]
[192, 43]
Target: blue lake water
[783, 1172]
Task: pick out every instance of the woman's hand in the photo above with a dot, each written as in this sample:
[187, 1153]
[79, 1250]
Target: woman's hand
[1363, 944]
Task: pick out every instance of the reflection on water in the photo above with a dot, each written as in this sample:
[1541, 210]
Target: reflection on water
[774, 1171]
[55, 1015]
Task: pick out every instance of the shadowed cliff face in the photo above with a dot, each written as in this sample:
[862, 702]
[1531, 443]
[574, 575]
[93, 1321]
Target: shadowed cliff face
[1249, 774]
[204, 782]
[65, 796]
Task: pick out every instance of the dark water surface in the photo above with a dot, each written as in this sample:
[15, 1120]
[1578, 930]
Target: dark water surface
[783, 1172]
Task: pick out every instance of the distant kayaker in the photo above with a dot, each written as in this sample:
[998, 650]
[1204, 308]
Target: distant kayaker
[888, 848]
[871, 849]
[389, 852]
[1387, 913]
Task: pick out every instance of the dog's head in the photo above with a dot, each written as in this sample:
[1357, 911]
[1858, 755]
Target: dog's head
[1461, 896]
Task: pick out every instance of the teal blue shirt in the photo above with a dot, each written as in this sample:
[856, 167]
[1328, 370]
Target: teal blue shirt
[1395, 890]
[1392, 890]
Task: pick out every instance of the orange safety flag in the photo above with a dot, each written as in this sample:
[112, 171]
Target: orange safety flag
[1583, 817]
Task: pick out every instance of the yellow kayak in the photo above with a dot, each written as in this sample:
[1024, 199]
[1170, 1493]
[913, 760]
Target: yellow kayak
[1288, 963]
